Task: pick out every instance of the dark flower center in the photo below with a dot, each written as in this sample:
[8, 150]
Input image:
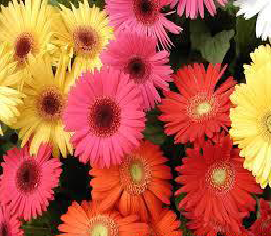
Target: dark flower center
[28, 176]
[84, 40]
[4, 229]
[136, 68]
[50, 104]
[146, 11]
[104, 117]
[23, 46]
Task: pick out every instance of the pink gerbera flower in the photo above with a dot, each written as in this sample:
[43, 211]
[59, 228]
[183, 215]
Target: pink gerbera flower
[193, 7]
[146, 67]
[9, 224]
[142, 16]
[27, 181]
[104, 110]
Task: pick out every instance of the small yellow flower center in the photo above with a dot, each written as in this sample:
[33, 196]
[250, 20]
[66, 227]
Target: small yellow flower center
[219, 176]
[99, 230]
[137, 172]
[203, 108]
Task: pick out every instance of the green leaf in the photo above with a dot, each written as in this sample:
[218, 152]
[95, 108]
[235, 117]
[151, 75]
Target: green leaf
[213, 49]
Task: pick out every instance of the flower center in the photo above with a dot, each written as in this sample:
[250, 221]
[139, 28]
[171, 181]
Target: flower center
[102, 225]
[50, 104]
[137, 70]
[28, 176]
[146, 11]
[135, 174]
[268, 123]
[221, 177]
[104, 117]
[23, 46]
[85, 40]
[201, 108]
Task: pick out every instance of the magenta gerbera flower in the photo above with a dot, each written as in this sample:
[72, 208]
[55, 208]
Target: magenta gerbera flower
[142, 16]
[9, 224]
[193, 7]
[104, 111]
[138, 58]
[27, 181]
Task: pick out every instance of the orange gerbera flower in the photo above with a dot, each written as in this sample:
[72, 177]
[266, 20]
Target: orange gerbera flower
[139, 185]
[87, 220]
[166, 224]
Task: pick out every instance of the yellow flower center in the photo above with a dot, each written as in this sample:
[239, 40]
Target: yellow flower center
[219, 176]
[137, 172]
[268, 123]
[203, 108]
[99, 230]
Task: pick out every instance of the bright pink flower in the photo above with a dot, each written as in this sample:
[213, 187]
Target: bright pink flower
[193, 7]
[9, 224]
[27, 181]
[105, 111]
[146, 67]
[142, 16]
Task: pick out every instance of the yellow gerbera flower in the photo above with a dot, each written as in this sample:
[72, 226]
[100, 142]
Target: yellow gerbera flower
[9, 97]
[83, 32]
[251, 123]
[26, 28]
[40, 119]
[260, 57]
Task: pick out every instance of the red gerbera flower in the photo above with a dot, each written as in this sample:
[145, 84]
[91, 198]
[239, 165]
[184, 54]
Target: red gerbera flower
[143, 17]
[139, 185]
[27, 181]
[218, 187]
[200, 108]
[9, 224]
[262, 226]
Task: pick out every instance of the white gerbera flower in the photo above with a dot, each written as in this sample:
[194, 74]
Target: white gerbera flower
[250, 8]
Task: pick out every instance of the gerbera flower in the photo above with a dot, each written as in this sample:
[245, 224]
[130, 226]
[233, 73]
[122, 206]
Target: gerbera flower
[137, 186]
[262, 226]
[84, 37]
[200, 108]
[138, 58]
[40, 119]
[9, 224]
[213, 227]
[251, 123]
[104, 111]
[143, 17]
[9, 97]
[88, 220]
[252, 8]
[218, 187]
[27, 182]
[26, 28]
[165, 224]
[261, 57]
[193, 7]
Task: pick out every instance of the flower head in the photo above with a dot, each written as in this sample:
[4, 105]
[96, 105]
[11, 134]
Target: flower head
[218, 187]
[146, 67]
[252, 8]
[143, 17]
[104, 112]
[26, 28]
[84, 37]
[251, 123]
[200, 108]
[40, 117]
[194, 7]
[27, 181]
[88, 220]
[137, 186]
